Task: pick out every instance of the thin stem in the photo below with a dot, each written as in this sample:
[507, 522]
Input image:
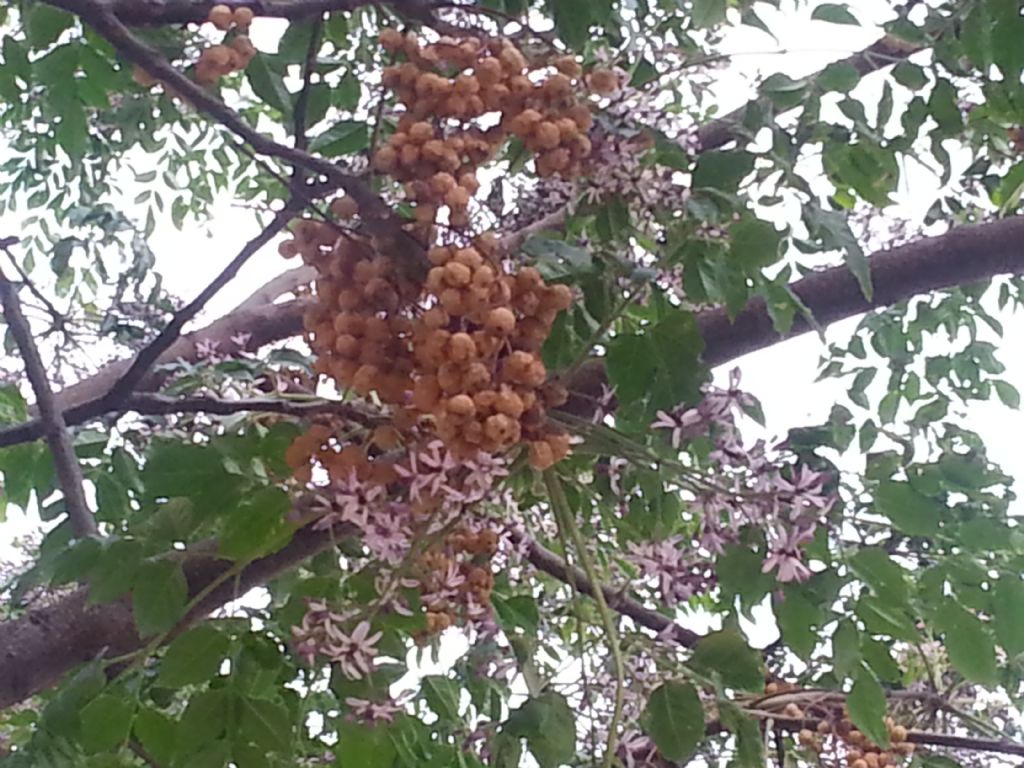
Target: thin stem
[564, 516]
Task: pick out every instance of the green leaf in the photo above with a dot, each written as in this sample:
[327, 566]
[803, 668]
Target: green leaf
[834, 230]
[708, 13]
[885, 576]
[268, 85]
[722, 170]
[159, 595]
[910, 75]
[156, 733]
[749, 744]
[204, 720]
[867, 707]
[1008, 613]
[361, 745]
[754, 243]
[442, 695]
[194, 657]
[256, 525]
[969, 644]
[572, 20]
[911, 511]
[1007, 393]
[519, 612]
[106, 721]
[248, 756]
[115, 571]
[834, 13]
[345, 137]
[727, 653]
[674, 719]
[838, 76]
[846, 649]
[549, 727]
[193, 471]
[44, 24]
[798, 618]
[266, 724]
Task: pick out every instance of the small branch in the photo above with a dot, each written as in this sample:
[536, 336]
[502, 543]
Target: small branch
[927, 738]
[53, 428]
[565, 516]
[163, 405]
[148, 356]
[377, 216]
[545, 560]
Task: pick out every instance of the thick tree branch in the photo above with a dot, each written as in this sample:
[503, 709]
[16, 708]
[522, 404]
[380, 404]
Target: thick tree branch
[39, 648]
[51, 418]
[962, 255]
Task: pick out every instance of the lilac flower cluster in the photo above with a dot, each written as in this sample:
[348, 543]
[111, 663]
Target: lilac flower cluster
[322, 633]
[751, 488]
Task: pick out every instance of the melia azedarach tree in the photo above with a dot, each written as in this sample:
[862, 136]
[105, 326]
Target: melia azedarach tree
[482, 409]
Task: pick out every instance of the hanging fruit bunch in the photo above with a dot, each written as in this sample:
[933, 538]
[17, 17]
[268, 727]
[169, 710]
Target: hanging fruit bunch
[827, 728]
[219, 60]
[444, 330]
[460, 348]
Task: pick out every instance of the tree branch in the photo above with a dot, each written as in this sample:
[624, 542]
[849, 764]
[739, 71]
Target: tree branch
[885, 52]
[139, 13]
[545, 560]
[51, 418]
[145, 360]
[40, 647]
[960, 256]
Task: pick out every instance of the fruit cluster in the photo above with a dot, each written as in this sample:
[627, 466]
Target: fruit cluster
[461, 345]
[465, 560]
[457, 82]
[219, 60]
[453, 344]
[833, 729]
[858, 749]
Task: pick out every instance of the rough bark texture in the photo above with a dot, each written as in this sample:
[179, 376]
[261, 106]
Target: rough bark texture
[40, 647]
[962, 255]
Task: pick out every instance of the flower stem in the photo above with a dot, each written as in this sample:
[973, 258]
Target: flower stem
[567, 523]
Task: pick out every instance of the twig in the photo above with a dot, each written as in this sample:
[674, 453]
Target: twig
[144, 403]
[376, 214]
[58, 317]
[151, 353]
[50, 415]
[560, 506]
[544, 559]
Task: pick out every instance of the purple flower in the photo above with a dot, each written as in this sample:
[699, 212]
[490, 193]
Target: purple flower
[785, 554]
[372, 711]
[354, 653]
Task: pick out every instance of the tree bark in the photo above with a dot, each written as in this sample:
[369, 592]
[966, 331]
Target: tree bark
[962, 255]
[40, 647]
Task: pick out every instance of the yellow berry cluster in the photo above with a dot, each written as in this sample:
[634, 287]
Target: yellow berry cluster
[460, 347]
[219, 60]
[833, 724]
[445, 86]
